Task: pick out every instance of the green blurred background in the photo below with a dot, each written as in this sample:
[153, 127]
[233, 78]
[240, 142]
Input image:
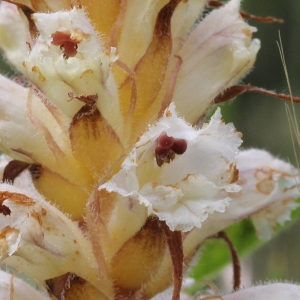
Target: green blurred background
[264, 123]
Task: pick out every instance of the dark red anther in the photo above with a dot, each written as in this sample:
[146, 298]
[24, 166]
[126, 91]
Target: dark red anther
[161, 152]
[66, 43]
[180, 146]
[164, 141]
[167, 147]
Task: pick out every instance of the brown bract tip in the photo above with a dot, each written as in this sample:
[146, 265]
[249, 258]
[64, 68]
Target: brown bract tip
[268, 19]
[236, 90]
[13, 169]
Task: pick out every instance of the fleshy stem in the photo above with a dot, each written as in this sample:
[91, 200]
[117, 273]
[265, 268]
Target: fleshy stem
[174, 240]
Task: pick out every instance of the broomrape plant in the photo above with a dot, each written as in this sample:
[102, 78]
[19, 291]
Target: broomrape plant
[111, 180]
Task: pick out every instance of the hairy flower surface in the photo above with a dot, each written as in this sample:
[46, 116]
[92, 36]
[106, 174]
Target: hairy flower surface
[110, 185]
[276, 291]
[271, 182]
[182, 191]
[268, 188]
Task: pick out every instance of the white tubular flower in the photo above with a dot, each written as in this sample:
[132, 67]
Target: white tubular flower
[216, 55]
[39, 240]
[68, 59]
[269, 189]
[28, 126]
[274, 291]
[184, 20]
[15, 288]
[271, 185]
[180, 173]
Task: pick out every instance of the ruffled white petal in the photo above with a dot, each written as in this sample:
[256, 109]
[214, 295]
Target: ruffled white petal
[190, 187]
[186, 205]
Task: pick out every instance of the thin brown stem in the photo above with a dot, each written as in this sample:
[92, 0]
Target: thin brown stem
[235, 260]
[236, 90]
[268, 19]
[174, 240]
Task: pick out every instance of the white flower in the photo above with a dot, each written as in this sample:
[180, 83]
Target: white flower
[39, 240]
[181, 189]
[217, 53]
[275, 291]
[269, 189]
[68, 59]
[271, 185]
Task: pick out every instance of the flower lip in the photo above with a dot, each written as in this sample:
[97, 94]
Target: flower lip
[182, 193]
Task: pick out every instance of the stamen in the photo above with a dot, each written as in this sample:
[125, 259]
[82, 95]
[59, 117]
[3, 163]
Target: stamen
[167, 148]
[35, 171]
[65, 42]
[165, 141]
[161, 152]
[180, 146]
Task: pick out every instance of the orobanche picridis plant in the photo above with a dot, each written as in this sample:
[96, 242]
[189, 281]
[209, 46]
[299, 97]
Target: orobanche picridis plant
[111, 179]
